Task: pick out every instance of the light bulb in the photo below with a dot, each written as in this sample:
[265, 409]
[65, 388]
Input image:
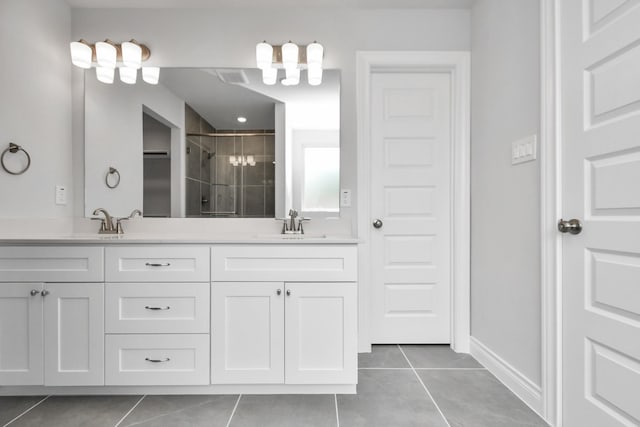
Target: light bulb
[242, 119]
[315, 52]
[151, 75]
[290, 55]
[106, 54]
[293, 77]
[269, 76]
[81, 54]
[105, 74]
[314, 76]
[128, 75]
[131, 55]
[264, 55]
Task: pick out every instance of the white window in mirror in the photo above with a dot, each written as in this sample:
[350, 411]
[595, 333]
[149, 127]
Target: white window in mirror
[316, 172]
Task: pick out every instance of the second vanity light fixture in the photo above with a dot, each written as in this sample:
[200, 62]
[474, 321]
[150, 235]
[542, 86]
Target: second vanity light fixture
[290, 57]
[108, 54]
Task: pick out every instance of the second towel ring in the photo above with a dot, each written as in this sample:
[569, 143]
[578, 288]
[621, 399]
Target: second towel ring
[14, 148]
[112, 171]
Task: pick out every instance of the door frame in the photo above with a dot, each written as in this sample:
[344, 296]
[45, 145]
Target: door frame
[457, 65]
[550, 210]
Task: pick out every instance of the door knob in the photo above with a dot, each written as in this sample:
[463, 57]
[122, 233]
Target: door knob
[377, 223]
[44, 293]
[279, 292]
[34, 292]
[572, 226]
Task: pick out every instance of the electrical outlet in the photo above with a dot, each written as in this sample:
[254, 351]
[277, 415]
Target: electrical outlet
[524, 150]
[345, 198]
[61, 195]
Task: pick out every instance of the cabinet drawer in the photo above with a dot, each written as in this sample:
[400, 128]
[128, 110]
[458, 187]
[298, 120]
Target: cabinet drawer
[156, 308]
[51, 264]
[284, 263]
[157, 359]
[157, 264]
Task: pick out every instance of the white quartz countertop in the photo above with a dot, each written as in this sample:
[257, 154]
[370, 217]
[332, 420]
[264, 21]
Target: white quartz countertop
[147, 238]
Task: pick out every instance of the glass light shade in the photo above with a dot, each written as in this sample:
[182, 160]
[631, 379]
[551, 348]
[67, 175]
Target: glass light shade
[264, 55]
[106, 54]
[105, 74]
[128, 75]
[293, 77]
[151, 75]
[81, 54]
[315, 52]
[314, 76]
[289, 55]
[269, 76]
[251, 160]
[131, 55]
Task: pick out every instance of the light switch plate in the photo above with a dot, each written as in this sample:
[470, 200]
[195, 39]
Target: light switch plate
[345, 198]
[524, 150]
[61, 195]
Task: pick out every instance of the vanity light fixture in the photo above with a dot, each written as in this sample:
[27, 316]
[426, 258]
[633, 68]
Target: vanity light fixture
[269, 76]
[264, 55]
[106, 53]
[127, 57]
[293, 59]
[242, 160]
[105, 74]
[81, 54]
[128, 75]
[151, 75]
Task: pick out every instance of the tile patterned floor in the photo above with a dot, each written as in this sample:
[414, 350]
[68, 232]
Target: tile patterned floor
[399, 386]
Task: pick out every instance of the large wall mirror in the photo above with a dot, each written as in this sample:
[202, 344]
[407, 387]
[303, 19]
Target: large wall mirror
[212, 143]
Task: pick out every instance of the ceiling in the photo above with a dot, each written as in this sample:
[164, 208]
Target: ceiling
[190, 4]
[221, 103]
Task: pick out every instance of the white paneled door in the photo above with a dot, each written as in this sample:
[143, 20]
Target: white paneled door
[600, 69]
[411, 207]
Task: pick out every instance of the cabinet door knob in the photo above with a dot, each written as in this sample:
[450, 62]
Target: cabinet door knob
[288, 292]
[279, 292]
[44, 293]
[34, 292]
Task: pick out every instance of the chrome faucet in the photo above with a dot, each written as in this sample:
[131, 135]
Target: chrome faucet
[132, 215]
[106, 224]
[289, 225]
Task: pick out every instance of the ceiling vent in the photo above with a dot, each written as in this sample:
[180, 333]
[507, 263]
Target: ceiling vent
[233, 77]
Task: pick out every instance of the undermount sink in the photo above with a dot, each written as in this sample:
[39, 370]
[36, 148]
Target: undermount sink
[291, 236]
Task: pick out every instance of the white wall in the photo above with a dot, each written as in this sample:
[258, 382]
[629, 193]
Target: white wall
[35, 111]
[505, 223]
[227, 38]
[113, 137]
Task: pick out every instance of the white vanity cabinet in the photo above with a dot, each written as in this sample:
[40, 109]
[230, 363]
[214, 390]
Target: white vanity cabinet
[51, 333]
[298, 325]
[157, 315]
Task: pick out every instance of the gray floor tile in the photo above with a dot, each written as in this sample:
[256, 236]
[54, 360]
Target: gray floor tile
[477, 399]
[77, 411]
[382, 356]
[12, 406]
[388, 398]
[285, 411]
[182, 411]
[438, 356]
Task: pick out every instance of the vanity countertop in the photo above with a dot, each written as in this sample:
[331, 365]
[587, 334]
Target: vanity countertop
[147, 238]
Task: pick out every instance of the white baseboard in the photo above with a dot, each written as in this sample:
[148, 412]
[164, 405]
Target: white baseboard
[529, 392]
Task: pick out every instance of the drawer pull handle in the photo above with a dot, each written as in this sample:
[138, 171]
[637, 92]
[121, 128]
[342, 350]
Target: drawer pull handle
[157, 264]
[157, 360]
[157, 308]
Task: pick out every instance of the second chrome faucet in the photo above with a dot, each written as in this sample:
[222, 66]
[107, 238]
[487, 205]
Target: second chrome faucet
[107, 226]
[289, 225]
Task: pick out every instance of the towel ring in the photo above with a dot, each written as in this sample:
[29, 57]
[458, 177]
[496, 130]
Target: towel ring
[112, 171]
[14, 148]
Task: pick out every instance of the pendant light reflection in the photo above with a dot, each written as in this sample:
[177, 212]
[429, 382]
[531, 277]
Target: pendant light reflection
[128, 75]
[151, 75]
[269, 76]
[105, 74]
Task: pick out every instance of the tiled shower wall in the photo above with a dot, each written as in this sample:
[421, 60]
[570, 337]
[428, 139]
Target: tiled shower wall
[217, 188]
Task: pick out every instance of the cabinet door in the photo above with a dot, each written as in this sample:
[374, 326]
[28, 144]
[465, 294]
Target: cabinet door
[21, 352]
[247, 333]
[321, 333]
[74, 334]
